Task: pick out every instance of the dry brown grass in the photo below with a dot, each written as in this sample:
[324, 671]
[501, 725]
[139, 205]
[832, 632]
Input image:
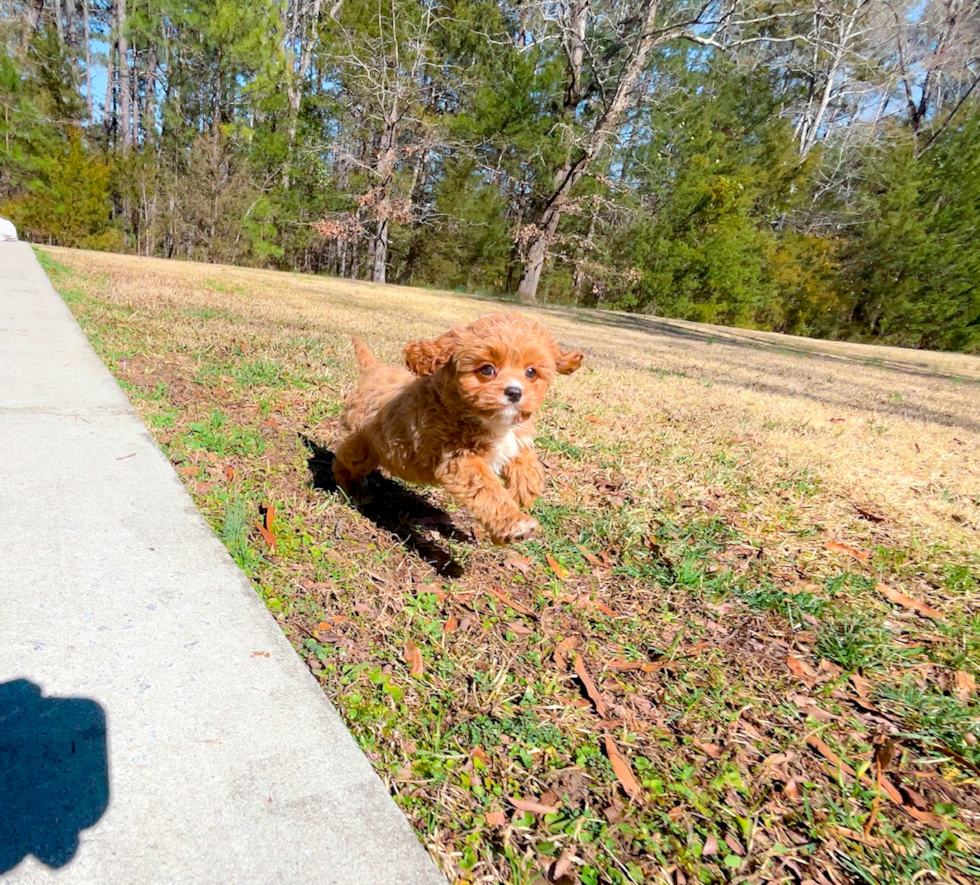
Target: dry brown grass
[704, 472]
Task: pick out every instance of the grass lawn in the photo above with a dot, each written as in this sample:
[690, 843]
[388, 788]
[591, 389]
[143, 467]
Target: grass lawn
[745, 648]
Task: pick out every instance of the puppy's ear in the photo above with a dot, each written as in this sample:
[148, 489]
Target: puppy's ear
[567, 361]
[427, 357]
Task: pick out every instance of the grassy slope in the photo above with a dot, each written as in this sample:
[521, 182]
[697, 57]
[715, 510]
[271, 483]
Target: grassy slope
[724, 513]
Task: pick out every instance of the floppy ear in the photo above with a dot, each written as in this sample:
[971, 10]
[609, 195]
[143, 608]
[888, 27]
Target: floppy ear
[567, 361]
[427, 357]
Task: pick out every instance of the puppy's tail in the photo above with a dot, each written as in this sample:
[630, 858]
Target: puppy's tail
[365, 359]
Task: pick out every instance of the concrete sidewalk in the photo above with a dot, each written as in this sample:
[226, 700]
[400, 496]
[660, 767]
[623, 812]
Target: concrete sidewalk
[155, 725]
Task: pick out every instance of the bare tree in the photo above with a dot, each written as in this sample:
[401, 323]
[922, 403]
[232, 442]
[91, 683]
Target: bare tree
[386, 72]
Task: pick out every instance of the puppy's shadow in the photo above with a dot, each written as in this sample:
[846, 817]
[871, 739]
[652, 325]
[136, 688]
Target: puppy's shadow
[394, 508]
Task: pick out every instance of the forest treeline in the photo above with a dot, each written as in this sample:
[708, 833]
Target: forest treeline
[808, 167]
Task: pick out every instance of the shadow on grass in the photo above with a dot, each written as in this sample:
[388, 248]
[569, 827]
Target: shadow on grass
[748, 338]
[396, 509]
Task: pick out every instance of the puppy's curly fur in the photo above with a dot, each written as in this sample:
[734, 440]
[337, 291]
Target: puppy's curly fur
[461, 416]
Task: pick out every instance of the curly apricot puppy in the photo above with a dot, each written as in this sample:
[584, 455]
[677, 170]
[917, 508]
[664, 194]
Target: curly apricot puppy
[462, 417]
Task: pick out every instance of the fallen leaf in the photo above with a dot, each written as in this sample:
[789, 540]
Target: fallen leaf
[589, 557]
[837, 547]
[521, 563]
[800, 669]
[712, 750]
[710, 848]
[268, 512]
[451, 625]
[779, 758]
[518, 628]
[590, 686]
[966, 684]
[735, 845]
[926, 817]
[869, 514]
[229, 472]
[189, 470]
[861, 685]
[517, 606]
[495, 818]
[871, 841]
[559, 571]
[477, 753]
[261, 654]
[413, 657]
[623, 772]
[899, 598]
[561, 867]
[267, 535]
[562, 649]
[533, 806]
[645, 666]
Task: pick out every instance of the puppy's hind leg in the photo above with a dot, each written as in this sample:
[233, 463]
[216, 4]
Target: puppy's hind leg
[353, 460]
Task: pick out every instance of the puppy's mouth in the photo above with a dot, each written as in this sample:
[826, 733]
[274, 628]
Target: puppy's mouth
[508, 415]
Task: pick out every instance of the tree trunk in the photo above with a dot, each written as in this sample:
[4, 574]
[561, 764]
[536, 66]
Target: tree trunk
[125, 88]
[546, 228]
[88, 61]
[110, 121]
[381, 251]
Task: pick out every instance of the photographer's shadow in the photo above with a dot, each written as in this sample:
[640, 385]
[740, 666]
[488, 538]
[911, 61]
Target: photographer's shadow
[396, 509]
[54, 773]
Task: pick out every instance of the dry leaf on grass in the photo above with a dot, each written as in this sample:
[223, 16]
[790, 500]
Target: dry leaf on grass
[966, 684]
[927, 817]
[268, 512]
[588, 556]
[519, 563]
[710, 848]
[451, 625]
[712, 750]
[495, 818]
[533, 806]
[517, 606]
[562, 649]
[561, 867]
[869, 514]
[899, 598]
[621, 768]
[590, 686]
[413, 657]
[645, 666]
[870, 841]
[837, 547]
[559, 571]
[735, 845]
[800, 669]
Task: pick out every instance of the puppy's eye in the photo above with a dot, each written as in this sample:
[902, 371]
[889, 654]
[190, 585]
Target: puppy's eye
[487, 370]
[531, 373]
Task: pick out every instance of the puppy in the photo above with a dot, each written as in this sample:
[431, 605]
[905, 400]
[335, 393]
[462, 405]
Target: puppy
[462, 417]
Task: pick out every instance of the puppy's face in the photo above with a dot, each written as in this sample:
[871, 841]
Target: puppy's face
[502, 365]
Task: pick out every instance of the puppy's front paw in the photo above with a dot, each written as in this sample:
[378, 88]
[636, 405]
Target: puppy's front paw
[520, 530]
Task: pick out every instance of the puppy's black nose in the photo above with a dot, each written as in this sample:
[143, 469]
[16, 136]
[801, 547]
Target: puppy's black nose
[513, 394]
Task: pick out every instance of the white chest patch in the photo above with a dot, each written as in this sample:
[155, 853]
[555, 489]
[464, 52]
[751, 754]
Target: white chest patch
[505, 451]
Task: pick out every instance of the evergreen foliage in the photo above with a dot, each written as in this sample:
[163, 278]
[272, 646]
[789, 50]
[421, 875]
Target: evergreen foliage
[741, 177]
